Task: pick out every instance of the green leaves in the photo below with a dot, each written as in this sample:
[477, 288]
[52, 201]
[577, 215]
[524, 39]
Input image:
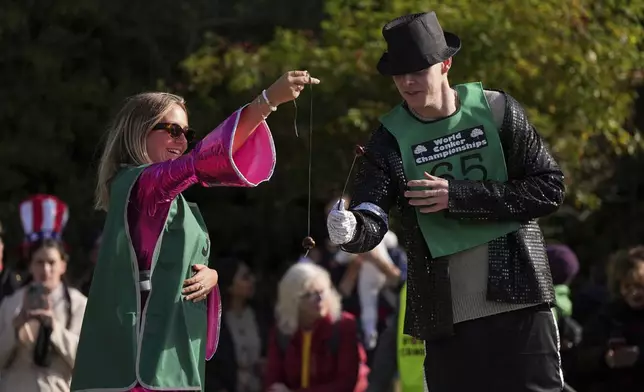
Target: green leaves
[569, 62]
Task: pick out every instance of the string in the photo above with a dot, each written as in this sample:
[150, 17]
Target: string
[310, 163]
[346, 182]
[297, 134]
[308, 230]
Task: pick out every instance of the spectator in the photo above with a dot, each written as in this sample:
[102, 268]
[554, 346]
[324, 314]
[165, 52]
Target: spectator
[610, 355]
[10, 279]
[564, 266]
[314, 345]
[236, 366]
[39, 326]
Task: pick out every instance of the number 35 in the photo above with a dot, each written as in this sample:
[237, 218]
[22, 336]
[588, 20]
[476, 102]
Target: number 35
[470, 170]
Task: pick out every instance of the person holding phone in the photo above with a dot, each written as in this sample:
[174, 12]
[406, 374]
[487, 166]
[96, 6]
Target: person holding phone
[40, 324]
[610, 355]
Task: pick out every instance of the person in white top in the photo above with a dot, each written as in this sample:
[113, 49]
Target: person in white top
[40, 325]
[373, 277]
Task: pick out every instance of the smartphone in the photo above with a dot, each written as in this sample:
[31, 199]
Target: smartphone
[37, 296]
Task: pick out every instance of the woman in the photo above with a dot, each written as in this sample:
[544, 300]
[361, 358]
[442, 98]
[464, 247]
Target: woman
[610, 356]
[39, 326]
[236, 365]
[315, 345]
[147, 326]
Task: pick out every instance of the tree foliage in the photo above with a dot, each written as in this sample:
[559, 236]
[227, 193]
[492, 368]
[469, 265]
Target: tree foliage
[65, 65]
[571, 63]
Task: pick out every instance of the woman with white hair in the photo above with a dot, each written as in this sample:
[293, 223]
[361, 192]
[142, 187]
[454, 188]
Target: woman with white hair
[314, 345]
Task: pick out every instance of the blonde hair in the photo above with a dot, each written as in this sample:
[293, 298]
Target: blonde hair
[125, 144]
[295, 283]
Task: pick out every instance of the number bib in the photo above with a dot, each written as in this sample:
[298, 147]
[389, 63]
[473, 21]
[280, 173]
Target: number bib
[464, 146]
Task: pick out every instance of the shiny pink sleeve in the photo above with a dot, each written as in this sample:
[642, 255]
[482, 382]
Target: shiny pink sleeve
[210, 163]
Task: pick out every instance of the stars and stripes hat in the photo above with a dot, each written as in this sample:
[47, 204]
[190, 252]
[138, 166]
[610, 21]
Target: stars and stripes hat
[43, 217]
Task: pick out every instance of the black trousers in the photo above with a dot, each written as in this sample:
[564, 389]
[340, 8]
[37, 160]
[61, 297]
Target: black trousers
[516, 351]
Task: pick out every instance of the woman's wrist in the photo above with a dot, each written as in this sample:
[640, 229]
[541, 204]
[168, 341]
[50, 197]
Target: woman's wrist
[262, 106]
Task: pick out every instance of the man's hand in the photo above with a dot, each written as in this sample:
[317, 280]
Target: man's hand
[432, 199]
[341, 224]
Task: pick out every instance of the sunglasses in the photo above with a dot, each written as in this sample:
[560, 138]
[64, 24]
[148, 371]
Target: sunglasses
[311, 295]
[175, 130]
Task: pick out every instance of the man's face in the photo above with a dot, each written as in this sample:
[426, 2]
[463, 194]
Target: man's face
[419, 89]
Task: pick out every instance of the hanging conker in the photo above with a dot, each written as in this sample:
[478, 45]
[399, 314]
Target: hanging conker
[308, 243]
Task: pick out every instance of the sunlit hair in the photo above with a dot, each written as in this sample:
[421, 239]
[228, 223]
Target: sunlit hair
[125, 144]
[621, 264]
[295, 283]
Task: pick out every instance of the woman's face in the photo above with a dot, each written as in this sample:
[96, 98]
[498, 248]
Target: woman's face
[47, 267]
[313, 302]
[243, 285]
[160, 145]
[632, 287]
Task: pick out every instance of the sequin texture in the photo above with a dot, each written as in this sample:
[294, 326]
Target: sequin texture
[518, 266]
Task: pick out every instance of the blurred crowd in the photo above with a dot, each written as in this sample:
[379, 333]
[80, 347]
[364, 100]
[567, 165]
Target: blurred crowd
[331, 323]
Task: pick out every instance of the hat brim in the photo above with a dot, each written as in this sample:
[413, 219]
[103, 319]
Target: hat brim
[389, 66]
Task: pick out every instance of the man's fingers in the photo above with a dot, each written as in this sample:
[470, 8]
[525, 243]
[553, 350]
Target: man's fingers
[428, 201]
[430, 177]
[423, 193]
[419, 183]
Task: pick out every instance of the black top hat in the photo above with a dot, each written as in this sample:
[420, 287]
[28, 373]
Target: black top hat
[415, 42]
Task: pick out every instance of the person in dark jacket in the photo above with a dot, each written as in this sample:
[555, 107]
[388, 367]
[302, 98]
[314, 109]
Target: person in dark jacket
[564, 266]
[10, 279]
[611, 354]
[470, 175]
[237, 364]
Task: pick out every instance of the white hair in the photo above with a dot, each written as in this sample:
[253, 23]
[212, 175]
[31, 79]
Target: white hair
[295, 283]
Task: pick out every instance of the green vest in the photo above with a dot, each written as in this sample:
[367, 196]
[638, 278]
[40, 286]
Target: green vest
[411, 353]
[463, 146]
[170, 350]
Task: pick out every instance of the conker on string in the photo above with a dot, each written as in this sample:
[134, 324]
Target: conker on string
[359, 150]
[308, 243]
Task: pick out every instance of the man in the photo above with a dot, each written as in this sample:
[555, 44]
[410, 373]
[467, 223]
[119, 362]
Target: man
[470, 176]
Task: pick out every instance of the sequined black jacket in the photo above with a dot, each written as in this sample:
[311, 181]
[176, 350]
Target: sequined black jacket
[518, 266]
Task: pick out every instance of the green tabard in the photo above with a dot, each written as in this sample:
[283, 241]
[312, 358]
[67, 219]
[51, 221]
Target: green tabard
[162, 347]
[464, 146]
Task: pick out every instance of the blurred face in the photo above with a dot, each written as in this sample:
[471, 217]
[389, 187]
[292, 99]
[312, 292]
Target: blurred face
[1, 252]
[313, 304]
[161, 145]
[419, 89]
[243, 283]
[47, 267]
[632, 287]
